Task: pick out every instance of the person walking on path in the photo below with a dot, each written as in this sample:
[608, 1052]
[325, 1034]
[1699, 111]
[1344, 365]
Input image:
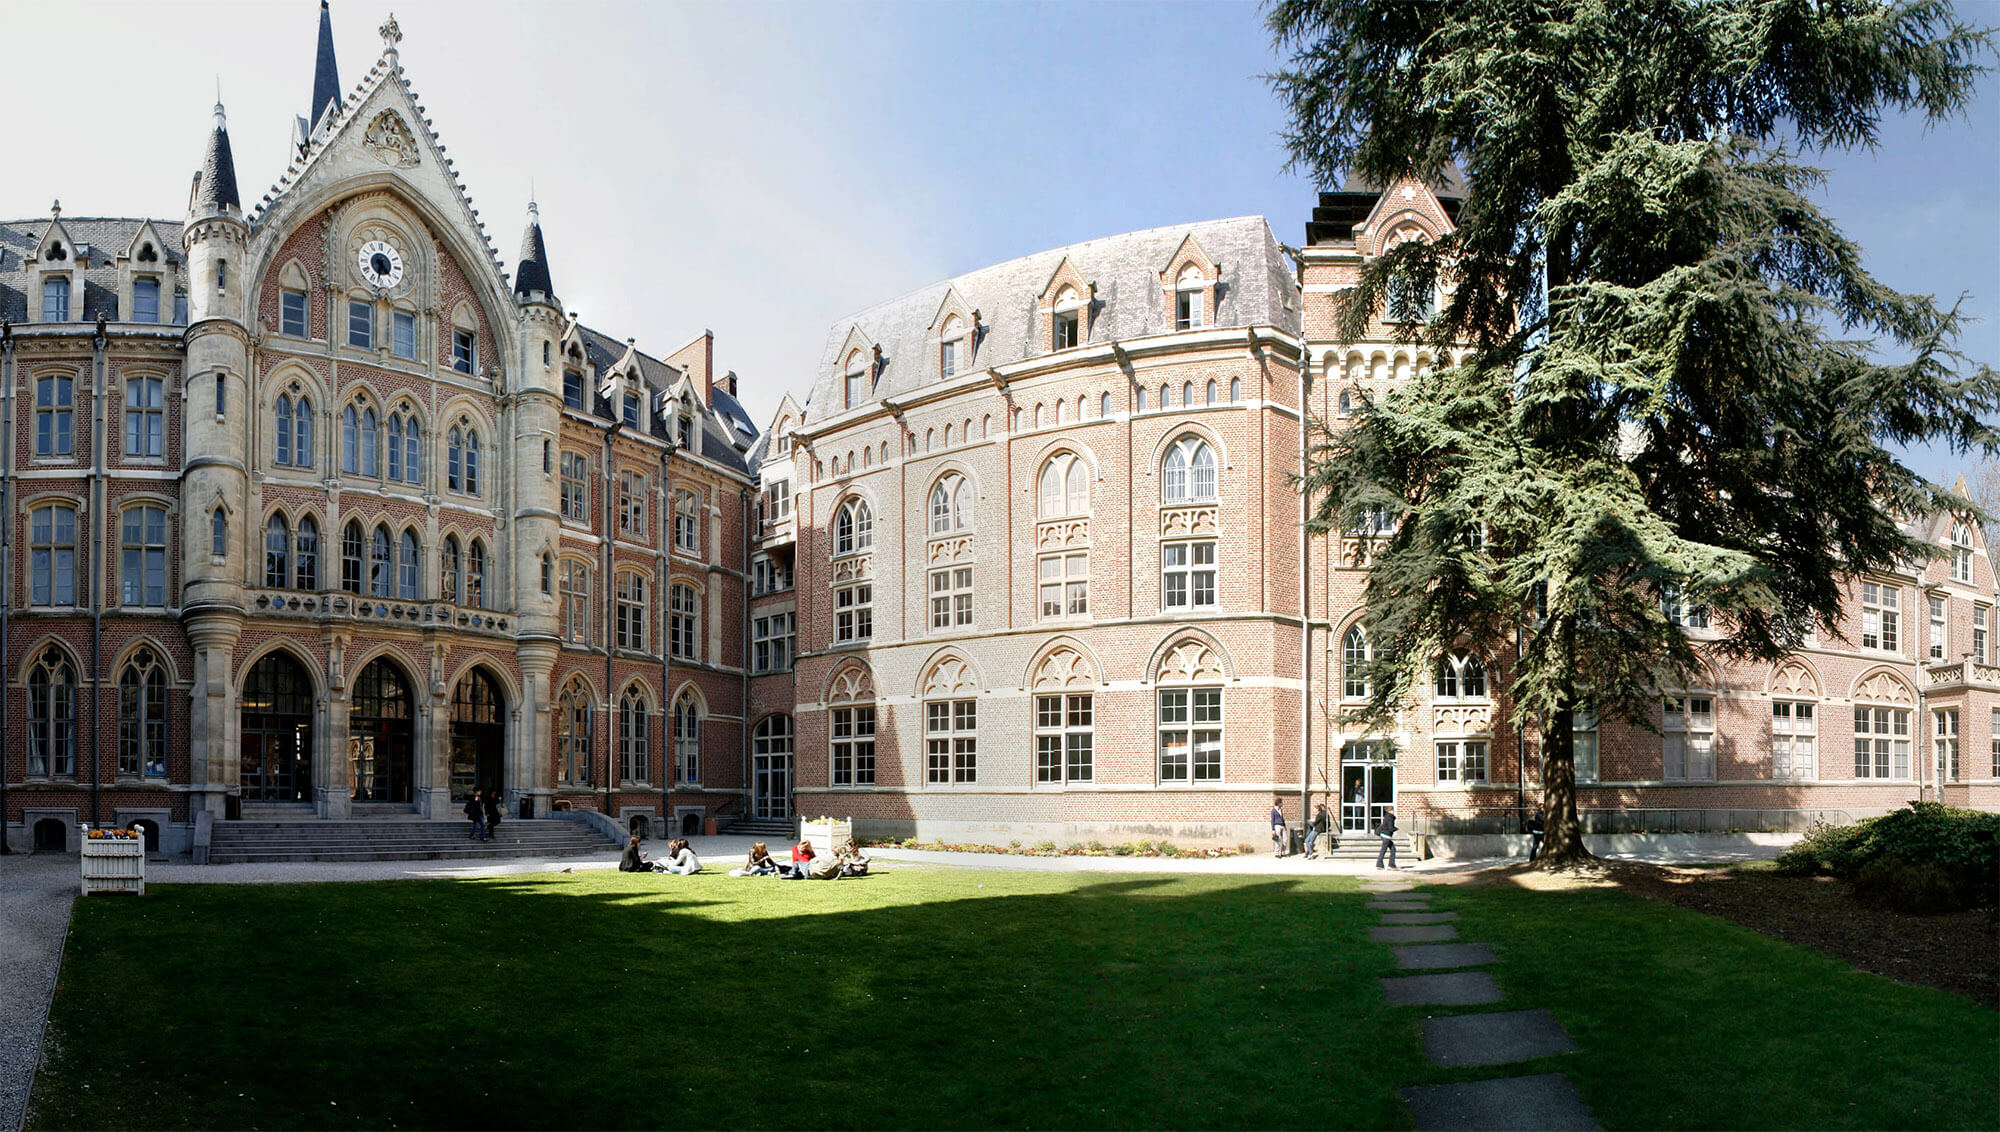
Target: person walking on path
[492, 807]
[1319, 827]
[1535, 827]
[1386, 830]
[1278, 825]
[477, 814]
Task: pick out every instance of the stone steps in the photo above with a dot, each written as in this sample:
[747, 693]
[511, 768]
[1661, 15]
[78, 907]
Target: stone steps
[396, 840]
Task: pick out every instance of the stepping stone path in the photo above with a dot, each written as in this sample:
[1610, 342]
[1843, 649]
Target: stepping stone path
[1544, 1100]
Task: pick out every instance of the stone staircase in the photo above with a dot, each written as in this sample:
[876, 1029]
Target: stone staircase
[764, 829]
[399, 839]
[1364, 846]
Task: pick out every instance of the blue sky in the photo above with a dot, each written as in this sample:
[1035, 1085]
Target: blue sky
[761, 169]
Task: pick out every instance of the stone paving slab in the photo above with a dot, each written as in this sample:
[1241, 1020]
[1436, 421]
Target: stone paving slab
[1404, 905]
[1494, 1039]
[1459, 988]
[1418, 933]
[1386, 886]
[1546, 1100]
[1431, 956]
[1418, 917]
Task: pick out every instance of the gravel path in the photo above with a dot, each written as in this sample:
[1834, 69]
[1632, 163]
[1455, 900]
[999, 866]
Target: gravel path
[35, 897]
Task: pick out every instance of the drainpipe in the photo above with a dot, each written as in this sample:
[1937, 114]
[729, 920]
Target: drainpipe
[607, 587]
[97, 571]
[665, 511]
[6, 544]
[748, 540]
[1305, 600]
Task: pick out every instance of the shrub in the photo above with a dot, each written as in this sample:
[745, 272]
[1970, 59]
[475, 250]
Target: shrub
[1095, 846]
[1245, 848]
[1917, 888]
[1948, 857]
[1121, 850]
[1013, 845]
[1045, 846]
[912, 843]
[1168, 849]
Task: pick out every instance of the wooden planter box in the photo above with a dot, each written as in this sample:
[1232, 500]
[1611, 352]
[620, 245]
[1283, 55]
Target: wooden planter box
[828, 836]
[114, 865]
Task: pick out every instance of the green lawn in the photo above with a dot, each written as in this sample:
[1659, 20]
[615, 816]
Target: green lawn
[932, 997]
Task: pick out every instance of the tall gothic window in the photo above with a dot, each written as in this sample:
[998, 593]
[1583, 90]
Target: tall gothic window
[853, 527]
[143, 557]
[145, 425]
[687, 738]
[573, 732]
[277, 552]
[54, 407]
[350, 557]
[951, 505]
[379, 564]
[1187, 475]
[475, 575]
[308, 555]
[632, 734]
[52, 543]
[142, 717]
[449, 570]
[52, 716]
[406, 566]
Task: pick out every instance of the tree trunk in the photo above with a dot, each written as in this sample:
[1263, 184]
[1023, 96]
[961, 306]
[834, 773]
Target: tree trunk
[1562, 841]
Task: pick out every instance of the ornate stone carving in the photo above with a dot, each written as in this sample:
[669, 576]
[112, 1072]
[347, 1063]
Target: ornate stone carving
[852, 684]
[950, 677]
[853, 568]
[1190, 662]
[1189, 520]
[1794, 679]
[1064, 668]
[955, 549]
[1060, 534]
[388, 137]
[1883, 687]
[1468, 719]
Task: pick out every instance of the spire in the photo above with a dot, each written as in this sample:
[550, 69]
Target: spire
[531, 274]
[215, 186]
[326, 78]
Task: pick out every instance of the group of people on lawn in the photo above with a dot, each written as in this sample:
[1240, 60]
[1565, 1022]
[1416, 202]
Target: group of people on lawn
[806, 864]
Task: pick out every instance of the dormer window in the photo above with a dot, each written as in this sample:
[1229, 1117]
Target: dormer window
[573, 389]
[950, 343]
[1067, 320]
[145, 300]
[55, 299]
[853, 388]
[1961, 553]
[630, 410]
[1190, 304]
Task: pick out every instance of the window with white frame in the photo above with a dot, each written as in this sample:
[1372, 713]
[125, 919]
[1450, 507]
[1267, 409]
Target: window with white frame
[405, 449]
[951, 741]
[854, 382]
[1190, 735]
[1995, 742]
[951, 598]
[361, 324]
[54, 408]
[1064, 582]
[55, 299]
[633, 733]
[687, 522]
[292, 313]
[951, 340]
[632, 491]
[853, 527]
[771, 643]
[631, 613]
[1680, 611]
[1794, 741]
[463, 350]
[853, 613]
[1980, 616]
[575, 488]
[1063, 487]
[687, 738]
[52, 555]
[52, 716]
[573, 733]
[1583, 726]
[1461, 761]
[403, 334]
[1961, 553]
[1187, 474]
[769, 575]
[1881, 742]
[1461, 676]
[576, 602]
[1063, 739]
[854, 745]
[684, 621]
[1937, 626]
[951, 505]
[1190, 304]
[1880, 610]
[1355, 655]
[1687, 742]
[1187, 575]
[142, 546]
[1944, 743]
[1066, 320]
[142, 717]
[145, 421]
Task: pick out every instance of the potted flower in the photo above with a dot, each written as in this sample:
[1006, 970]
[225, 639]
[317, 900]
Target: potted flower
[827, 835]
[114, 860]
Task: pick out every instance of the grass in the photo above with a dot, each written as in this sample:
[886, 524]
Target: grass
[941, 998]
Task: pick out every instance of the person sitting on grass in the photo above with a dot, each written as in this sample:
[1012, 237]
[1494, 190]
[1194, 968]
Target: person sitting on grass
[824, 868]
[681, 859]
[802, 856]
[853, 862]
[634, 860]
[760, 863]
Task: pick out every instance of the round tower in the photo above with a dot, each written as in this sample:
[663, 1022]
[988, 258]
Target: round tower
[536, 520]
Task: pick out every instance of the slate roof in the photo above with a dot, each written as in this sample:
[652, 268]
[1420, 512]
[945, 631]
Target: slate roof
[326, 76]
[1257, 290]
[102, 239]
[603, 351]
[217, 189]
[1334, 218]
[532, 273]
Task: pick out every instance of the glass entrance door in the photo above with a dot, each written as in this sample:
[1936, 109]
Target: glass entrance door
[477, 736]
[773, 787]
[1367, 785]
[276, 726]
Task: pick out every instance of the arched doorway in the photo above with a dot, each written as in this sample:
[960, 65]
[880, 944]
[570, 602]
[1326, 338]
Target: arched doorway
[771, 768]
[478, 735]
[277, 718]
[381, 735]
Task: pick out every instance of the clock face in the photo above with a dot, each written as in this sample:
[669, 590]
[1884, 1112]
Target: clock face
[381, 264]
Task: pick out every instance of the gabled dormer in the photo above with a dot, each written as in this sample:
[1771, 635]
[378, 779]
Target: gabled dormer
[578, 375]
[624, 388]
[148, 279]
[1065, 308]
[857, 364]
[954, 331]
[55, 274]
[680, 408]
[1190, 283]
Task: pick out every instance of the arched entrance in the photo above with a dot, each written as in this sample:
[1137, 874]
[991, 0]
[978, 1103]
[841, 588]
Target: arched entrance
[381, 735]
[478, 735]
[277, 718]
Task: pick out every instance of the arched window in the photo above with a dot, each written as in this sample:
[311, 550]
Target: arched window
[413, 446]
[371, 439]
[1461, 676]
[1190, 305]
[218, 533]
[350, 557]
[684, 622]
[1187, 394]
[396, 446]
[1166, 396]
[1104, 405]
[852, 382]
[1961, 556]
[471, 461]
[302, 433]
[1355, 653]
[947, 444]
[142, 717]
[853, 527]
[951, 505]
[448, 571]
[379, 565]
[1188, 473]
[406, 566]
[548, 574]
[454, 459]
[572, 727]
[1140, 404]
[632, 734]
[950, 342]
[282, 427]
[687, 738]
[687, 522]
[275, 731]
[350, 441]
[277, 547]
[1059, 412]
[308, 555]
[1064, 487]
[1066, 320]
[475, 575]
[1038, 416]
[52, 544]
[1235, 390]
[1209, 394]
[52, 716]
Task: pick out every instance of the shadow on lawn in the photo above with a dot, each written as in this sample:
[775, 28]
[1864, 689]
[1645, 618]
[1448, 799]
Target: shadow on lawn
[606, 1000]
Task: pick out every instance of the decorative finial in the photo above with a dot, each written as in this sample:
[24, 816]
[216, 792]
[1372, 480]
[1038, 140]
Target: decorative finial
[55, 208]
[391, 34]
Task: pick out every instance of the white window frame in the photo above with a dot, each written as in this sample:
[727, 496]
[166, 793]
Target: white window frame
[1183, 562]
[1939, 610]
[854, 612]
[1190, 726]
[1881, 616]
[1794, 740]
[851, 754]
[1881, 743]
[1944, 744]
[1461, 761]
[951, 598]
[1687, 738]
[1065, 739]
[1062, 583]
[684, 621]
[951, 742]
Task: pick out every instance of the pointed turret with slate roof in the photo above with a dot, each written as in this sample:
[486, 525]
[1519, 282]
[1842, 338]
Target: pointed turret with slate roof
[531, 274]
[215, 184]
[326, 86]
